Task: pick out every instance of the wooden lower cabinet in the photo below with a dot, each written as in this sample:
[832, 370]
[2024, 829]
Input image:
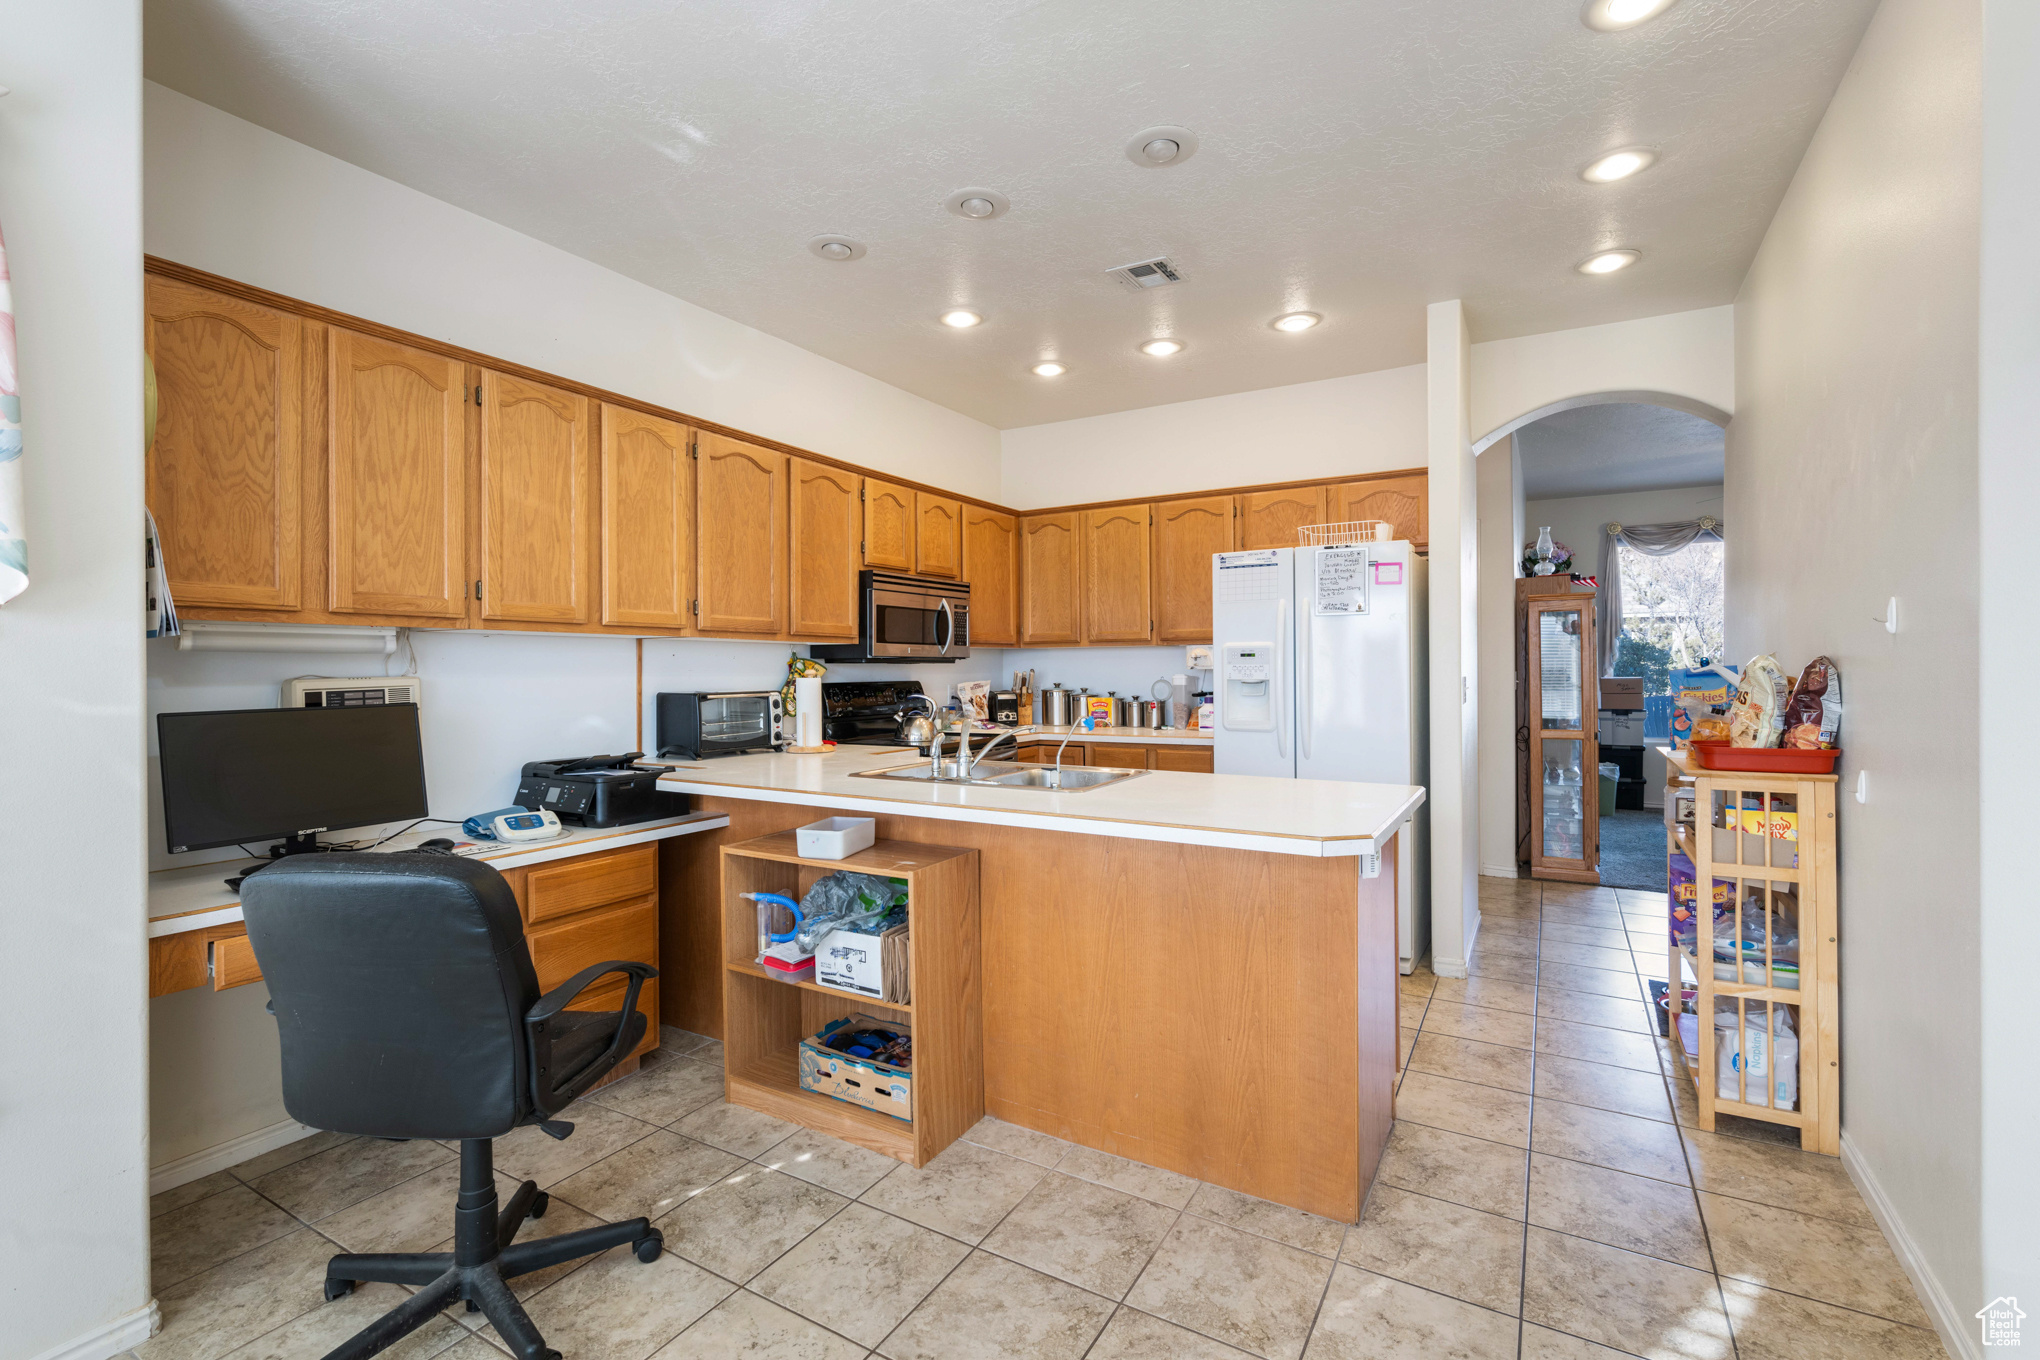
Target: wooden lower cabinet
[1191, 759]
[1117, 757]
[1114, 755]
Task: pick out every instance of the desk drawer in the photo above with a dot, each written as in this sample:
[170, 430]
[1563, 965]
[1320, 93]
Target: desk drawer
[567, 886]
[233, 963]
[629, 932]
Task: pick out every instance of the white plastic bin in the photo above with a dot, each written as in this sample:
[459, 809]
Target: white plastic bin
[835, 837]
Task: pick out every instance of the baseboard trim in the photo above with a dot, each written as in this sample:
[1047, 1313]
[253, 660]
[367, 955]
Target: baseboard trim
[103, 1343]
[220, 1156]
[1452, 968]
[1499, 871]
[1957, 1330]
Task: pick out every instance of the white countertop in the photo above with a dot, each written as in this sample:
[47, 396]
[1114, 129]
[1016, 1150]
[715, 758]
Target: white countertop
[195, 896]
[1314, 817]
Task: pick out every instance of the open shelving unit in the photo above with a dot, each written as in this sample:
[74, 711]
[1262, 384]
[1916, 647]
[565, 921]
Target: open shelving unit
[765, 1019]
[1770, 878]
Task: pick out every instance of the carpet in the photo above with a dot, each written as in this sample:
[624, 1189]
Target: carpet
[1633, 850]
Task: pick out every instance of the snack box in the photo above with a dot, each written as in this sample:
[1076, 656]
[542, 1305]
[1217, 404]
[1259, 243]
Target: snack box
[874, 1085]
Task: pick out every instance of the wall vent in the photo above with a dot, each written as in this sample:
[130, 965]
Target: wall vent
[325, 691]
[1159, 272]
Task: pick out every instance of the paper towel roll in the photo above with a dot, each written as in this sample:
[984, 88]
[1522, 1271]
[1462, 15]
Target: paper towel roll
[807, 706]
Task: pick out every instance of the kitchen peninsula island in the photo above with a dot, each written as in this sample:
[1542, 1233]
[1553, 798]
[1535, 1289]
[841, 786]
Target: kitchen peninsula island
[1194, 971]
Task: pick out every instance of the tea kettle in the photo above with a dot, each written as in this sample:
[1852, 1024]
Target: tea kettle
[915, 727]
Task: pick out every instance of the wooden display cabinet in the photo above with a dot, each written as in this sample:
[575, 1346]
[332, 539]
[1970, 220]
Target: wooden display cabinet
[765, 1019]
[1738, 838]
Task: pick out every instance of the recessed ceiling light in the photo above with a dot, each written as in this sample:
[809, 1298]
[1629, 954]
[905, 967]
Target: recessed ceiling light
[977, 204]
[1162, 349]
[1611, 16]
[1619, 165]
[1050, 369]
[1161, 146]
[1608, 261]
[1296, 321]
[836, 248]
[961, 319]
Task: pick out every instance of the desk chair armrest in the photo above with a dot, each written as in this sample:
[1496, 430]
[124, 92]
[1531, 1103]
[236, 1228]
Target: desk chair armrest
[558, 1095]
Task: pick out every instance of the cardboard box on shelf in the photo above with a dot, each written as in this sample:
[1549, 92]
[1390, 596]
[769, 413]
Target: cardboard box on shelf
[1622, 691]
[860, 1081]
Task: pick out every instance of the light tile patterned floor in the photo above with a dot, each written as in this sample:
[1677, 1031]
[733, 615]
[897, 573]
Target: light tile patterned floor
[1544, 1196]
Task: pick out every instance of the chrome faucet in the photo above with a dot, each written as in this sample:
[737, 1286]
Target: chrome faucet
[970, 762]
[1083, 724]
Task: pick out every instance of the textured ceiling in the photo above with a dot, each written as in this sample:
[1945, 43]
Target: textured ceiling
[1358, 159]
[1623, 446]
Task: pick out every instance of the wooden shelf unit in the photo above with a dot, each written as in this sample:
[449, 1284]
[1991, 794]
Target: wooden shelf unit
[1803, 872]
[765, 1019]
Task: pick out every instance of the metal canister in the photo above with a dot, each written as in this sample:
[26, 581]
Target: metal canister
[1151, 713]
[1054, 706]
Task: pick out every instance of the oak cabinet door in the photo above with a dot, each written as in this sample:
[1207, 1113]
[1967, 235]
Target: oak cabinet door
[224, 472]
[647, 521]
[991, 565]
[1050, 611]
[826, 525]
[1403, 501]
[538, 504]
[396, 479]
[888, 526]
[1270, 519]
[1187, 534]
[742, 537]
[1116, 757]
[938, 535]
[1196, 759]
[1115, 564]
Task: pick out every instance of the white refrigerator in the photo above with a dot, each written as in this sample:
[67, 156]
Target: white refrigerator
[1319, 673]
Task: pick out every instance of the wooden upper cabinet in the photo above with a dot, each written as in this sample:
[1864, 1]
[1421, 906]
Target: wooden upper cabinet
[888, 526]
[538, 504]
[1270, 519]
[223, 474]
[1050, 608]
[938, 535]
[1187, 534]
[1116, 580]
[647, 521]
[1403, 500]
[991, 565]
[396, 479]
[742, 540]
[826, 525]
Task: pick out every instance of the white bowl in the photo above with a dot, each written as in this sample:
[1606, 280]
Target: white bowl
[835, 837]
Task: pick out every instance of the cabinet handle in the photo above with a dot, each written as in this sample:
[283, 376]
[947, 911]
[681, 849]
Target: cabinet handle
[478, 590]
[478, 394]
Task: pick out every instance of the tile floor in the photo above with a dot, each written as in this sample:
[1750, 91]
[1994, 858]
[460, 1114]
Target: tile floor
[1544, 1196]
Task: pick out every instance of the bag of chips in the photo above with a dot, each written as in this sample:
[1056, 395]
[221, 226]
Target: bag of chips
[1757, 715]
[1813, 715]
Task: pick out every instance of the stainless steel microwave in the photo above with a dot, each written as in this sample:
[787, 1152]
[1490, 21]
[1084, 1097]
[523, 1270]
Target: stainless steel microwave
[906, 618]
[694, 726]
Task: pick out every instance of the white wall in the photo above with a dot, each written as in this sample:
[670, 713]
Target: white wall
[2010, 639]
[1579, 521]
[1339, 427]
[74, 1254]
[1498, 478]
[1852, 476]
[224, 195]
[230, 197]
[1683, 359]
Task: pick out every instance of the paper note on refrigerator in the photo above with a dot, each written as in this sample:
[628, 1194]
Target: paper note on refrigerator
[1341, 581]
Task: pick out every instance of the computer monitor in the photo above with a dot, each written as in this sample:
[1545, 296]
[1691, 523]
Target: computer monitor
[257, 774]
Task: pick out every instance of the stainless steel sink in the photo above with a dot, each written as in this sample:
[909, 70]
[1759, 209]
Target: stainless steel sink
[1007, 774]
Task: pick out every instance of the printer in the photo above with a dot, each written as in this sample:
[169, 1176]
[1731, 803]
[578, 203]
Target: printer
[597, 791]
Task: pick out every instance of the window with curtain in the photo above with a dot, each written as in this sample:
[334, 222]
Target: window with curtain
[1663, 582]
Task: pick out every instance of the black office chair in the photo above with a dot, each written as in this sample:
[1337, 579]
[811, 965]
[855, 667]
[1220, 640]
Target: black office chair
[407, 1006]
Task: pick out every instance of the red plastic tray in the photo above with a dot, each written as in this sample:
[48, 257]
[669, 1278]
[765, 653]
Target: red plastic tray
[1719, 755]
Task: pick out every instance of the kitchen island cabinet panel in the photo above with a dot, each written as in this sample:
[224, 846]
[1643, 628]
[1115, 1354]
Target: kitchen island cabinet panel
[742, 540]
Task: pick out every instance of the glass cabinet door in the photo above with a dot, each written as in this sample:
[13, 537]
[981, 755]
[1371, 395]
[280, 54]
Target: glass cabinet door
[1560, 668]
[1564, 784]
[1564, 832]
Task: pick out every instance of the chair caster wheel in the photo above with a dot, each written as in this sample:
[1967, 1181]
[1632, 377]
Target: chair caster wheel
[539, 1204]
[473, 1307]
[649, 1246]
[338, 1289]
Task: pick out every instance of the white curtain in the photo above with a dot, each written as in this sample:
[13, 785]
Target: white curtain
[1653, 540]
